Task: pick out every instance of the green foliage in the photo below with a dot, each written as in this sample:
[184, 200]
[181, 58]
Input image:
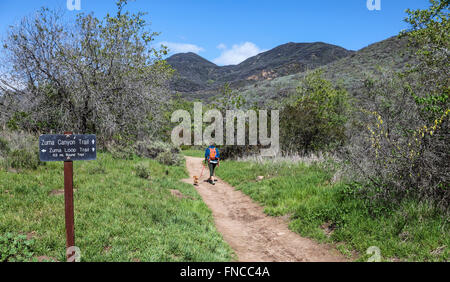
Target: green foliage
[99, 169]
[4, 148]
[229, 99]
[142, 171]
[19, 150]
[101, 76]
[15, 248]
[121, 152]
[193, 153]
[166, 153]
[236, 151]
[392, 145]
[19, 120]
[170, 158]
[346, 214]
[315, 117]
[175, 104]
[119, 217]
[429, 32]
[151, 149]
[23, 159]
[399, 137]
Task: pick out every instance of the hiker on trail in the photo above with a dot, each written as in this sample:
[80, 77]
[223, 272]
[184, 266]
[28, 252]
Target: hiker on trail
[212, 157]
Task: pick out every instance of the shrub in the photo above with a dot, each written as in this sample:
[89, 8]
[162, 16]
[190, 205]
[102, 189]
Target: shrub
[400, 141]
[142, 171]
[314, 119]
[4, 148]
[151, 149]
[23, 159]
[129, 93]
[14, 140]
[165, 153]
[235, 151]
[168, 158]
[120, 151]
[98, 169]
[394, 147]
[15, 248]
[19, 150]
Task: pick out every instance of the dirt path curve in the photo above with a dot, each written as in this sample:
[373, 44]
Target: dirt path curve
[254, 236]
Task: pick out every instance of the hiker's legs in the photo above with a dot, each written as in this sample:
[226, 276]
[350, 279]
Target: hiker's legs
[211, 170]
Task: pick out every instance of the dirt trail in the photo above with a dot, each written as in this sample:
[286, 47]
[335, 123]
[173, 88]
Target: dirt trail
[254, 236]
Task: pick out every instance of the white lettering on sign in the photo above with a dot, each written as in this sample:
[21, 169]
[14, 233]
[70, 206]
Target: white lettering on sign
[47, 143]
[66, 142]
[59, 147]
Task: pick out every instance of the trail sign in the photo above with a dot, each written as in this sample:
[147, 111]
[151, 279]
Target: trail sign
[60, 147]
[68, 147]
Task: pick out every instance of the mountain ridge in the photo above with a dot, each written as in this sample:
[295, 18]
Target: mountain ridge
[349, 72]
[195, 73]
[392, 53]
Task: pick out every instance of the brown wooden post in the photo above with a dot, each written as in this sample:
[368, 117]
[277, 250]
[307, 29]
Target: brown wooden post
[68, 199]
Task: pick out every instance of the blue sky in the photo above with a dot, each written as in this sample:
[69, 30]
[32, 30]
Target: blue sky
[228, 31]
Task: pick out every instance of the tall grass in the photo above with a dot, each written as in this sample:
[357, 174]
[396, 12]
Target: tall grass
[119, 216]
[194, 153]
[338, 213]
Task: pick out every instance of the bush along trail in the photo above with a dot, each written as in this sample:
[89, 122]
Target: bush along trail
[253, 235]
[324, 208]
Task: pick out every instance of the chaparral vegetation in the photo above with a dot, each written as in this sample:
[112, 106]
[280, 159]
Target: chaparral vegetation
[364, 140]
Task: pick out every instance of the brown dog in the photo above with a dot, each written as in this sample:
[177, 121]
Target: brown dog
[195, 180]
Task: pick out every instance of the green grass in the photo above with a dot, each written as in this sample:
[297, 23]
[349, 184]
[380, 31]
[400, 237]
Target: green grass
[119, 216]
[410, 231]
[194, 153]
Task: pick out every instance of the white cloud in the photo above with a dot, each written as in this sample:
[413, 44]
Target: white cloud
[182, 47]
[221, 46]
[237, 54]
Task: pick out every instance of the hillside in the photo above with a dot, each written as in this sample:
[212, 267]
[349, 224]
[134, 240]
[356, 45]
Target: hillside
[195, 73]
[350, 71]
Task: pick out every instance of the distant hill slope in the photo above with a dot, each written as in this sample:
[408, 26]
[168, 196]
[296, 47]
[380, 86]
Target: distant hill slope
[350, 71]
[195, 73]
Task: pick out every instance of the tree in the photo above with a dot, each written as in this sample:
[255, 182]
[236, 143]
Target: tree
[400, 138]
[314, 119]
[429, 34]
[97, 76]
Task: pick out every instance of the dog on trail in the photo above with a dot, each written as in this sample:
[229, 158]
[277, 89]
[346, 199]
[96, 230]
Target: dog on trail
[196, 180]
